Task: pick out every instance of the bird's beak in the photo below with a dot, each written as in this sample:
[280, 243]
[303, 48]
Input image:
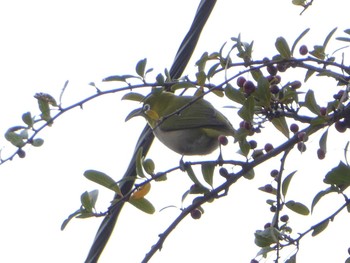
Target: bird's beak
[134, 113]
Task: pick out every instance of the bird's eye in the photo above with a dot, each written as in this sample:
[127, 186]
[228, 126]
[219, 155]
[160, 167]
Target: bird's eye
[146, 107]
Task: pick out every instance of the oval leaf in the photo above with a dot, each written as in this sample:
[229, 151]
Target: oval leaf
[321, 194]
[140, 67]
[286, 182]
[319, 228]
[149, 166]
[143, 204]
[102, 179]
[37, 142]
[208, 172]
[134, 96]
[27, 119]
[298, 208]
[281, 125]
[283, 48]
[234, 94]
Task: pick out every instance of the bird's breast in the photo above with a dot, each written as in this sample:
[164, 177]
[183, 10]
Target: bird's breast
[188, 141]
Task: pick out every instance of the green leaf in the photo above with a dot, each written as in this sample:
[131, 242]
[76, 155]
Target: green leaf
[202, 61]
[262, 93]
[256, 73]
[347, 260]
[14, 138]
[281, 125]
[37, 142]
[299, 2]
[45, 109]
[266, 237]
[192, 175]
[244, 147]
[134, 96]
[27, 119]
[345, 39]
[140, 67]
[298, 207]
[328, 38]
[160, 79]
[339, 176]
[138, 161]
[143, 204]
[234, 94]
[182, 85]
[246, 112]
[310, 102]
[283, 48]
[122, 78]
[249, 175]
[323, 141]
[299, 38]
[308, 74]
[208, 172]
[201, 78]
[319, 228]
[88, 200]
[286, 182]
[318, 52]
[149, 166]
[70, 217]
[212, 70]
[263, 189]
[102, 179]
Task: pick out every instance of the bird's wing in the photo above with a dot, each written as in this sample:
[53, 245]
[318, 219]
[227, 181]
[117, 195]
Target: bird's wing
[200, 114]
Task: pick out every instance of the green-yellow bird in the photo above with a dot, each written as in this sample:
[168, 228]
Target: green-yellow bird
[192, 131]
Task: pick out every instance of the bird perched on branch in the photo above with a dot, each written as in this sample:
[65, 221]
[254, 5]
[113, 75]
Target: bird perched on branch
[187, 125]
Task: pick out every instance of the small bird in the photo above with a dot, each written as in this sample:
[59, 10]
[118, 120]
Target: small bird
[191, 130]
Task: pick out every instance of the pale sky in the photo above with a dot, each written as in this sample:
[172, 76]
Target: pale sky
[45, 43]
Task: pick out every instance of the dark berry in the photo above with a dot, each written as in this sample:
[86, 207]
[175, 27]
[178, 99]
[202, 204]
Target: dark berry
[253, 144]
[245, 125]
[223, 172]
[295, 84]
[282, 67]
[273, 80]
[268, 188]
[321, 154]
[254, 261]
[223, 140]
[268, 147]
[274, 89]
[340, 126]
[273, 208]
[323, 111]
[249, 87]
[196, 213]
[240, 81]
[303, 50]
[301, 147]
[274, 173]
[302, 136]
[266, 60]
[272, 70]
[339, 95]
[284, 218]
[267, 225]
[294, 128]
[21, 153]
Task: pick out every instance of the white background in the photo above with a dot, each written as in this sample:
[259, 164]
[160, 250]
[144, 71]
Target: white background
[45, 43]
